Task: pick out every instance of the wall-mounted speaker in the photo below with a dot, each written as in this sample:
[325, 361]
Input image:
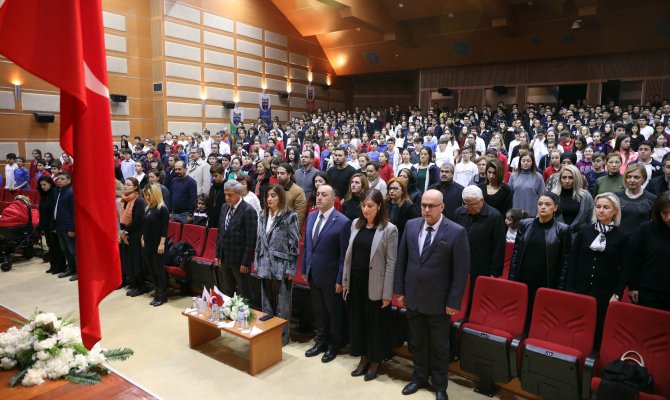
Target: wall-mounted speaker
[444, 92]
[325, 86]
[158, 87]
[283, 95]
[43, 117]
[228, 105]
[500, 89]
[118, 98]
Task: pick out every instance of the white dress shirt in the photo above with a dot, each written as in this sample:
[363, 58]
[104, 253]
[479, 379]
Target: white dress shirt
[422, 234]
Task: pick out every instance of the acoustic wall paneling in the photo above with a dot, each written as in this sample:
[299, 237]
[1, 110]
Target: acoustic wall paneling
[648, 67]
[127, 42]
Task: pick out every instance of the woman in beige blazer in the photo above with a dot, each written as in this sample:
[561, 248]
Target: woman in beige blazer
[367, 281]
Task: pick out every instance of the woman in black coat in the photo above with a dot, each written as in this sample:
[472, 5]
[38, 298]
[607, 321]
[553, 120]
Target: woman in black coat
[649, 274]
[48, 194]
[399, 206]
[497, 193]
[351, 205]
[131, 215]
[541, 250]
[597, 258]
[154, 232]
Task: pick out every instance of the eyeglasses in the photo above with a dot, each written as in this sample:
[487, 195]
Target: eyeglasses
[429, 206]
[394, 188]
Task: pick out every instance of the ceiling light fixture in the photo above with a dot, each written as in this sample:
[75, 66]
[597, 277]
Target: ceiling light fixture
[576, 25]
[451, 15]
[401, 5]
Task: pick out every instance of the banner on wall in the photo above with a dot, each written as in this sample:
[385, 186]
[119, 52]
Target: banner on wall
[265, 108]
[311, 99]
[236, 118]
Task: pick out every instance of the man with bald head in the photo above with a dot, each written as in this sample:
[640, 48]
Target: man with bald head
[326, 241]
[431, 273]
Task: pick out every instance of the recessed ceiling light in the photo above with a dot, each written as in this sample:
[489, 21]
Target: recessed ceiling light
[451, 15]
[397, 55]
[358, 29]
[401, 5]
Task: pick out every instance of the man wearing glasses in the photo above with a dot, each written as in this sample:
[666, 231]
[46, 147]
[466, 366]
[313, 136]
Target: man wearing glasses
[486, 235]
[431, 273]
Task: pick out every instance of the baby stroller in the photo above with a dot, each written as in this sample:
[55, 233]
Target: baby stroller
[18, 224]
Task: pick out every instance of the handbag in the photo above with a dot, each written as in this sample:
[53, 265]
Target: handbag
[623, 380]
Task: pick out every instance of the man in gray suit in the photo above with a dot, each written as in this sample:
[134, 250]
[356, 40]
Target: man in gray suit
[430, 277]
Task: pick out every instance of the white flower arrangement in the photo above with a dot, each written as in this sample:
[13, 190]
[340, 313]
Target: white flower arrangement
[48, 347]
[234, 306]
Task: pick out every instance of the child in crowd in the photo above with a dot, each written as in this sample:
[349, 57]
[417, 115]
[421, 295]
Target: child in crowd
[465, 170]
[660, 147]
[10, 180]
[597, 170]
[21, 175]
[585, 164]
[512, 219]
[200, 214]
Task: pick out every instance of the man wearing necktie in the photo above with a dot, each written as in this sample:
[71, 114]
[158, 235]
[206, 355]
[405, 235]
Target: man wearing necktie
[326, 241]
[236, 241]
[431, 273]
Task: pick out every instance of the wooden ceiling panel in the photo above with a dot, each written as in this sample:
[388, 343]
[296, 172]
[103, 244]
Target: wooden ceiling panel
[368, 36]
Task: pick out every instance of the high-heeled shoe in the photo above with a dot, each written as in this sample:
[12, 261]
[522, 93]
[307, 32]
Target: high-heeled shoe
[373, 370]
[359, 371]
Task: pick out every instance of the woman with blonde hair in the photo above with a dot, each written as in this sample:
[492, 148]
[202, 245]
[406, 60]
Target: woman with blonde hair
[596, 262]
[154, 234]
[576, 202]
[636, 203]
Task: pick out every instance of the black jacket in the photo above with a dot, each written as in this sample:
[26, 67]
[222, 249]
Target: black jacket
[594, 269]
[452, 196]
[558, 239]
[658, 185]
[406, 211]
[486, 235]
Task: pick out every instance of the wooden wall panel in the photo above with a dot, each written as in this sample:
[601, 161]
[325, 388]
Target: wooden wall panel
[652, 66]
[130, 26]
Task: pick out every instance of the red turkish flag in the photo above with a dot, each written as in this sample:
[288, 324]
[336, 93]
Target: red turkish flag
[62, 42]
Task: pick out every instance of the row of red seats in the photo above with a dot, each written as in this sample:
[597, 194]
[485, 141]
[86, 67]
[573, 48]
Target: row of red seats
[555, 359]
[7, 196]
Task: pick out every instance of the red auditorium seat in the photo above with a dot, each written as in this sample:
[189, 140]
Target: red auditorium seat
[195, 236]
[174, 231]
[496, 323]
[297, 279]
[561, 336]
[644, 330]
[509, 249]
[457, 321]
[201, 269]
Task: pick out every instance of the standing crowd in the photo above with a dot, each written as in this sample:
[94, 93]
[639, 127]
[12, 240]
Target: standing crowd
[372, 205]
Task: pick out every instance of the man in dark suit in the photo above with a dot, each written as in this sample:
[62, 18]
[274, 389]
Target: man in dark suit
[236, 240]
[431, 273]
[486, 235]
[64, 224]
[326, 241]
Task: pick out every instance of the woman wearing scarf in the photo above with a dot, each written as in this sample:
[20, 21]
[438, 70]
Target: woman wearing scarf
[48, 193]
[596, 262]
[132, 212]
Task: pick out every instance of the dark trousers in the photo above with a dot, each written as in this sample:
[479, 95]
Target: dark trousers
[68, 246]
[328, 308]
[154, 262]
[57, 261]
[429, 344]
[236, 282]
[654, 299]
